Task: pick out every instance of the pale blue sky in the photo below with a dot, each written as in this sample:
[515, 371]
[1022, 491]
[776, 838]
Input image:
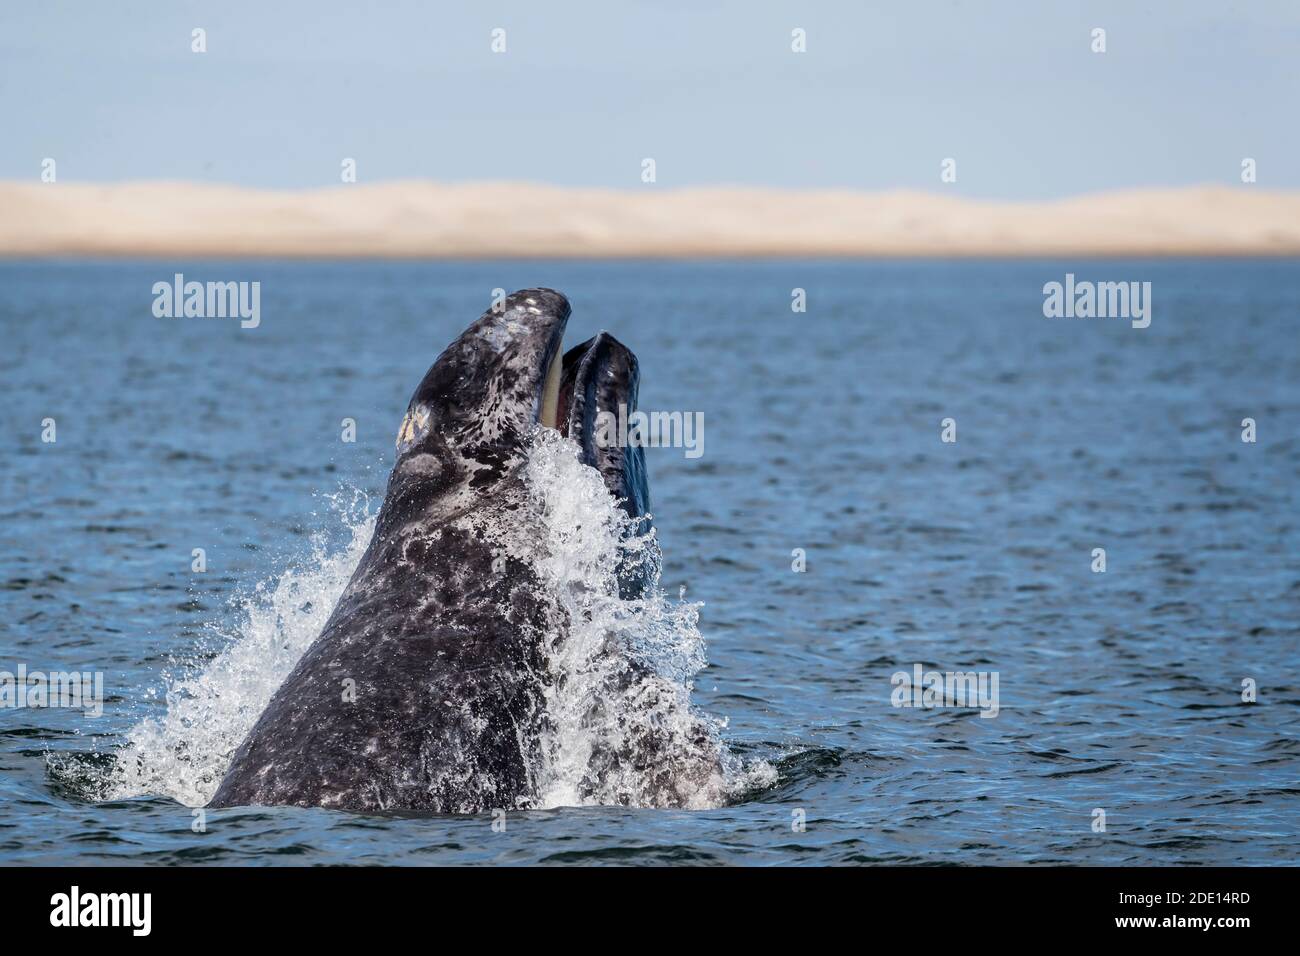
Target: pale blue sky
[1010, 88]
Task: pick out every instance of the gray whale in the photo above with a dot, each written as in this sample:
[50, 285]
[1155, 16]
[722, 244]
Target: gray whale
[424, 690]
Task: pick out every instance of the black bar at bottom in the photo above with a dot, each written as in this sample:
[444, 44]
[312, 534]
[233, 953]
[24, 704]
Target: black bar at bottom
[337, 904]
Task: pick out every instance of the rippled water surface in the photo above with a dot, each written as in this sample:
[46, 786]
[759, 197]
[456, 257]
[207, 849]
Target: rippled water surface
[1119, 691]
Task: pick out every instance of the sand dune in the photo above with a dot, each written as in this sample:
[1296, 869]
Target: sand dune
[422, 219]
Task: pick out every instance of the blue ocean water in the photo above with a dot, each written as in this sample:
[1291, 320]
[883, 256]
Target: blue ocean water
[1119, 691]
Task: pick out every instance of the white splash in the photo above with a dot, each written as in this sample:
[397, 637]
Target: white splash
[620, 725]
[211, 707]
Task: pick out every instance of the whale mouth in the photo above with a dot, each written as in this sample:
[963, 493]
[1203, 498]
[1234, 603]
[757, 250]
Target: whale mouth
[549, 414]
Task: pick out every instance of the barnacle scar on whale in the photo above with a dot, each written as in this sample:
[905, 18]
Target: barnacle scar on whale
[433, 686]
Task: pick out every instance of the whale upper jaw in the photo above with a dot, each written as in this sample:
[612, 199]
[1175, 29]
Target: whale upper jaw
[487, 389]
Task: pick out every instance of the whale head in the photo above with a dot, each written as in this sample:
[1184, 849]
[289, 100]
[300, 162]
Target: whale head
[488, 387]
[468, 423]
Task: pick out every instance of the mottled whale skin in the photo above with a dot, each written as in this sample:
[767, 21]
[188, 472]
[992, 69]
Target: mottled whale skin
[424, 690]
